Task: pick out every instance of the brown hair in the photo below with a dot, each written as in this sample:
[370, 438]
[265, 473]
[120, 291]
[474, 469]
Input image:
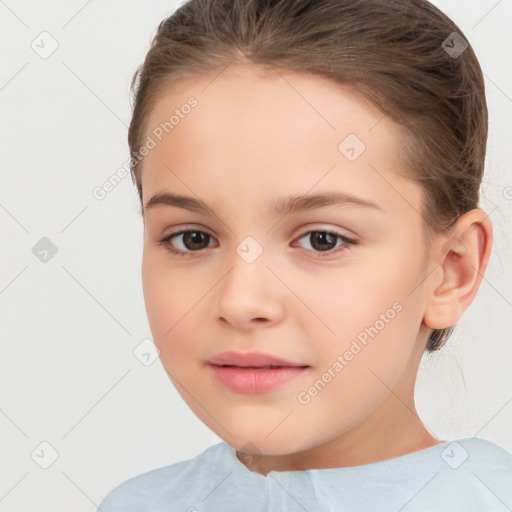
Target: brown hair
[396, 53]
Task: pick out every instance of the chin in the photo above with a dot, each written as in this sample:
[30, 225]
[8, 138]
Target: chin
[257, 443]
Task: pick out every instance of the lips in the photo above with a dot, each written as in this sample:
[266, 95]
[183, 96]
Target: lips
[253, 372]
[251, 359]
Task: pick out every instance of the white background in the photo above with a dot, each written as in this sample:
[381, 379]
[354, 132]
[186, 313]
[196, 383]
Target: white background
[69, 326]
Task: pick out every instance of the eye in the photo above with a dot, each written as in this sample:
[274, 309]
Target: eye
[325, 241]
[194, 240]
[191, 241]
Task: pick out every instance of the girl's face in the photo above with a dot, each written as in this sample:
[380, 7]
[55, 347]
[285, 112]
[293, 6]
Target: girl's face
[253, 275]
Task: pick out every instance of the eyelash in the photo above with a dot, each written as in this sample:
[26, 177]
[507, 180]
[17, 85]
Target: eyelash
[166, 242]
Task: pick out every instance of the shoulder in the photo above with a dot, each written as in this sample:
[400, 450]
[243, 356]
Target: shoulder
[477, 474]
[142, 492]
[482, 452]
[475, 456]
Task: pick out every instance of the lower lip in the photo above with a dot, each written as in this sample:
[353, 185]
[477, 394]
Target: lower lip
[254, 381]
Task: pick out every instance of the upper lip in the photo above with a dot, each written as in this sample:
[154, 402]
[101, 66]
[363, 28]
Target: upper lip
[253, 359]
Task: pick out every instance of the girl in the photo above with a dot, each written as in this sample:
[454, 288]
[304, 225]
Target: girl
[309, 178]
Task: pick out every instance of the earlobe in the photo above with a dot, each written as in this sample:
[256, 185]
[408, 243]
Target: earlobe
[462, 259]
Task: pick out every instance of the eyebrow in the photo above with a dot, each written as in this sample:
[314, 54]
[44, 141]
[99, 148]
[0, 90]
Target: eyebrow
[281, 207]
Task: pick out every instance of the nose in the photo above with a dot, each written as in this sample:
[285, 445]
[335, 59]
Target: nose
[249, 295]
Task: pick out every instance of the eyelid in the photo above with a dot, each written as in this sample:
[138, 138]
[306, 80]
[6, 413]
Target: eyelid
[315, 227]
[183, 228]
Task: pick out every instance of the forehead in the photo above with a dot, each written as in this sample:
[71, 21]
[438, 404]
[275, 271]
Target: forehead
[256, 129]
[249, 95]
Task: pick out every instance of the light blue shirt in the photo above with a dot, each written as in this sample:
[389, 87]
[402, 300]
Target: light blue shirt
[466, 475]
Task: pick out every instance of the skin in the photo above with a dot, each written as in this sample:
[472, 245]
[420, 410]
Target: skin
[257, 135]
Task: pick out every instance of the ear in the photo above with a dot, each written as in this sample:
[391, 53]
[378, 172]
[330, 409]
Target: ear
[462, 258]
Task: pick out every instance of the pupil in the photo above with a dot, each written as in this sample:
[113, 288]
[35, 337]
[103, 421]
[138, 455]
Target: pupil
[320, 237]
[194, 237]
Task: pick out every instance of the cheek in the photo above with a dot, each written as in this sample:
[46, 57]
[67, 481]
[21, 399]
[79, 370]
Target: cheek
[168, 295]
[375, 315]
[350, 299]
